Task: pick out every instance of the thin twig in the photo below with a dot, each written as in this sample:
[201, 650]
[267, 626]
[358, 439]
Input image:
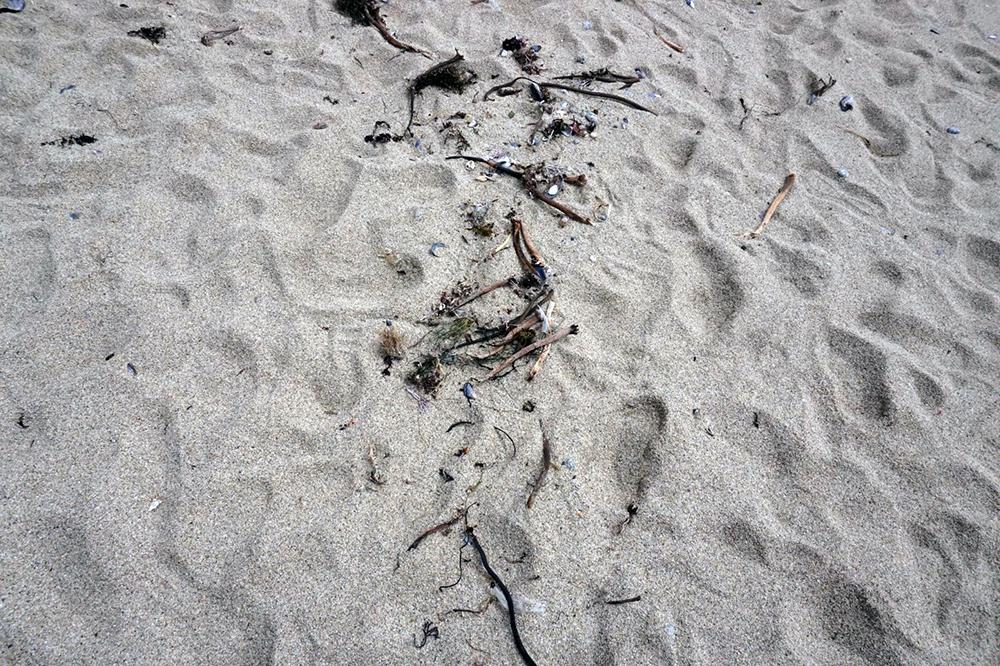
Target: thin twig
[555, 337]
[374, 17]
[441, 527]
[544, 471]
[442, 588]
[483, 291]
[521, 650]
[674, 45]
[604, 75]
[778, 198]
[458, 423]
[618, 602]
[562, 86]
[511, 439]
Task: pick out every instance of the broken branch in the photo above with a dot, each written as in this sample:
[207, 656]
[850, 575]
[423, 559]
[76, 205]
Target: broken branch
[778, 198]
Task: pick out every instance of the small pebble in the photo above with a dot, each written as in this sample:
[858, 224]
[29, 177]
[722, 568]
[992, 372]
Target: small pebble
[74, 216]
[846, 103]
[569, 464]
[953, 130]
[842, 173]
[689, 3]
[11, 5]
[992, 36]
[554, 190]
[588, 25]
[436, 249]
[469, 392]
[155, 504]
[581, 59]
[593, 258]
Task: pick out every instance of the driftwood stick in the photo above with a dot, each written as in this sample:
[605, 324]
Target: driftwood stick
[778, 198]
[555, 337]
[562, 86]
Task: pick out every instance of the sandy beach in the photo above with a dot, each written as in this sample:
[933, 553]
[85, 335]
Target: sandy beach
[258, 407]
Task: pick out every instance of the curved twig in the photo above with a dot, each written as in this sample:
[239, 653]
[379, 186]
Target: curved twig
[561, 86]
[555, 337]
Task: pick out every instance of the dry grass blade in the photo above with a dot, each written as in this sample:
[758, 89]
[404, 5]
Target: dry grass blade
[544, 471]
[561, 86]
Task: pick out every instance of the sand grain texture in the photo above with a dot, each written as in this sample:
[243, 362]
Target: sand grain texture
[808, 422]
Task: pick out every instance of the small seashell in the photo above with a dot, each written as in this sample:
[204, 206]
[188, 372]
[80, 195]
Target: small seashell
[689, 3]
[846, 103]
[535, 48]
[155, 504]
[536, 91]
[436, 249]
[842, 173]
[554, 190]
[11, 5]
[469, 392]
[581, 59]
[588, 25]
[953, 130]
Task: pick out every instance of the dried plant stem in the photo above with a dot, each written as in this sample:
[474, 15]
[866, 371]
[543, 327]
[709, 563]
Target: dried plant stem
[485, 290]
[555, 337]
[539, 362]
[544, 471]
[778, 198]
[561, 86]
[375, 18]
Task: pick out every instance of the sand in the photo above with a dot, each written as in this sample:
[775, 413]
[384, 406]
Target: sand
[806, 423]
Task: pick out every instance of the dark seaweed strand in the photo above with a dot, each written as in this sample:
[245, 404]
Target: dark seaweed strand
[521, 650]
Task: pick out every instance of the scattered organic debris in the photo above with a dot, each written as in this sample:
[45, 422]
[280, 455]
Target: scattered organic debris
[818, 87]
[72, 140]
[604, 75]
[778, 198]
[381, 134]
[430, 631]
[524, 54]
[152, 34]
[441, 527]
[449, 75]
[475, 217]
[213, 36]
[367, 12]
[521, 650]
[846, 103]
[458, 423]
[532, 177]
[543, 85]
[482, 608]
[618, 602]
[21, 422]
[544, 471]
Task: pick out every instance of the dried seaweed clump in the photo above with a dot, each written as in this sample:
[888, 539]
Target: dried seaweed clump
[451, 75]
[366, 12]
[524, 54]
[393, 342]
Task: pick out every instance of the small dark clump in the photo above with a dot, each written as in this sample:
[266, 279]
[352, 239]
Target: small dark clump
[524, 54]
[152, 33]
[73, 140]
[381, 134]
[428, 374]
